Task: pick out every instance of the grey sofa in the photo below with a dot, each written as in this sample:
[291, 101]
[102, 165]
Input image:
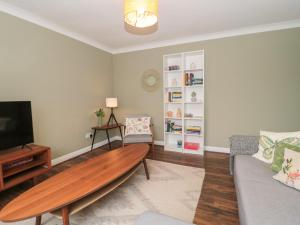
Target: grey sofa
[261, 199]
[151, 218]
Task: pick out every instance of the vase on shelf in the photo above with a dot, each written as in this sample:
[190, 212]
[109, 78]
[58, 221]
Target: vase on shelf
[193, 96]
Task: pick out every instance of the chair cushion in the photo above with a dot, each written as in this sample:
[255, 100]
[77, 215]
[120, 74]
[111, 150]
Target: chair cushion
[150, 218]
[141, 138]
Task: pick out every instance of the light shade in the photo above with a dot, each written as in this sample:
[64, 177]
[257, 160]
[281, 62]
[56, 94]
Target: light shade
[111, 102]
[141, 13]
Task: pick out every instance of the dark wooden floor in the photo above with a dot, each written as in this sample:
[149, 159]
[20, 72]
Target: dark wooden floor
[217, 203]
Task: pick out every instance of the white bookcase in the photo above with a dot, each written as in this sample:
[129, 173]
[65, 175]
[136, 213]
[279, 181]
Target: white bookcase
[184, 102]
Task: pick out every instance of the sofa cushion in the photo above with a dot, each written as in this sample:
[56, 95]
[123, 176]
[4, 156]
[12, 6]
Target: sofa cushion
[150, 218]
[290, 172]
[269, 140]
[279, 154]
[261, 199]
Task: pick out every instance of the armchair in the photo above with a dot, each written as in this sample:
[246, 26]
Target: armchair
[138, 138]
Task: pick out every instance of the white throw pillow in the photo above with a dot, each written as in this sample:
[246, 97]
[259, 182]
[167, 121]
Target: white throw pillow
[268, 141]
[137, 126]
[290, 172]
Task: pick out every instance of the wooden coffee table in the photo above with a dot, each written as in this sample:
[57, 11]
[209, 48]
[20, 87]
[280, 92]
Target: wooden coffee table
[74, 189]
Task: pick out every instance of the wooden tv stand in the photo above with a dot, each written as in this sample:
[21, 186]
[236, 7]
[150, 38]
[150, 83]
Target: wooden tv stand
[22, 164]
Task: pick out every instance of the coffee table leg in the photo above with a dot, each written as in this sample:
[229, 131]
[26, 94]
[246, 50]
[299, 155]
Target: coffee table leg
[146, 169]
[94, 135]
[107, 134]
[120, 128]
[38, 220]
[65, 215]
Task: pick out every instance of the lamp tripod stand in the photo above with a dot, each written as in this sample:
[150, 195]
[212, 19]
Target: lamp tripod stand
[112, 118]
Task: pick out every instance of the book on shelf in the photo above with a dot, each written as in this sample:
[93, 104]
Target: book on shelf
[174, 96]
[172, 127]
[173, 67]
[190, 80]
[17, 163]
[193, 130]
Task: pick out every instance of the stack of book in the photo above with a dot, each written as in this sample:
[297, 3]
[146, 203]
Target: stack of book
[18, 163]
[197, 81]
[173, 128]
[177, 129]
[189, 79]
[175, 96]
[193, 130]
[174, 67]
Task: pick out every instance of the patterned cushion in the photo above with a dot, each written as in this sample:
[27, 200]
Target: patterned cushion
[290, 172]
[268, 142]
[137, 126]
[279, 152]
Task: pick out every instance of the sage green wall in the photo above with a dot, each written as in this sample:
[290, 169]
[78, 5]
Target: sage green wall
[252, 83]
[66, 81]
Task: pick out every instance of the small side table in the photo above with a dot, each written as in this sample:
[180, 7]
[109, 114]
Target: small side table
[106, 128]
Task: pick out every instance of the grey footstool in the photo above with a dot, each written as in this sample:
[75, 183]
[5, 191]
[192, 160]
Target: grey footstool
[151, 218]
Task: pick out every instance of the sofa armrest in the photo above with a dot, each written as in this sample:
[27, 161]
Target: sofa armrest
[242, 145]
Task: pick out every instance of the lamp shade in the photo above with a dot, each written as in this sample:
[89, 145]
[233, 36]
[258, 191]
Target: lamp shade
[141, 13]
[111, 102]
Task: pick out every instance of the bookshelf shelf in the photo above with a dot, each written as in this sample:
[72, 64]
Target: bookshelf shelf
[173, 71]
[193, 135]
[193, 70]
[173, 148]
[193, 86]
[173, 87]
[194, 118]
[172, 133]
[173, 118]
[193, 103]
[184, 102]
[173, 102]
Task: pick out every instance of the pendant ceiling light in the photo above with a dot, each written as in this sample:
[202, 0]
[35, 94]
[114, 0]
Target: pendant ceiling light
[141, 13]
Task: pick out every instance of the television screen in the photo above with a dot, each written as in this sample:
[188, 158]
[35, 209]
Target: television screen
[15, 124]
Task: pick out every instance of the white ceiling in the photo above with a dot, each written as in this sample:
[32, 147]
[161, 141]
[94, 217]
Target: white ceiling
[100, 22]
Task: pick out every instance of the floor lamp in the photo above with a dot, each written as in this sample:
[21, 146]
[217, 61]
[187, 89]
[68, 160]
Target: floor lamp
[112, 103]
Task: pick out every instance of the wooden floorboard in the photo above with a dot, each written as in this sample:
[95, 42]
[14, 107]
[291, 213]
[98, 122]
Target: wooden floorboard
[217, 204]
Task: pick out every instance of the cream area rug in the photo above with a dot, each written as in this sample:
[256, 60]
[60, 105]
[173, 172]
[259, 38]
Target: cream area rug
[173, 190]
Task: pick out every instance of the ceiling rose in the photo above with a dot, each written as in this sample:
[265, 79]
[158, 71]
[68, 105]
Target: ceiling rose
[141, 13]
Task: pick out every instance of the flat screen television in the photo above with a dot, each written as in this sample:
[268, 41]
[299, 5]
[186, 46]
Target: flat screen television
[15, 124]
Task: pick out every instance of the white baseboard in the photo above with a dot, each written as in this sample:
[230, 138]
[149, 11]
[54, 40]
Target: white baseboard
[217, 149]
[79, 152]
[161, 143]
[207, 148]
[118, 138]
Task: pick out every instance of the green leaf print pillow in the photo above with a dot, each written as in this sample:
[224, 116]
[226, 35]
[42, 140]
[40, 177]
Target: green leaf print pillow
[270, 140]
[290, 143]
